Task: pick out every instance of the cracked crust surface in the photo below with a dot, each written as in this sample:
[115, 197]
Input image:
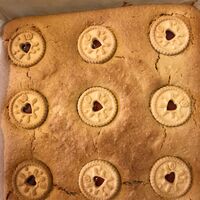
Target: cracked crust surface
[134, 140]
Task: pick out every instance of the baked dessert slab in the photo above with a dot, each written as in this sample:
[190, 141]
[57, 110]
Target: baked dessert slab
[134, 140]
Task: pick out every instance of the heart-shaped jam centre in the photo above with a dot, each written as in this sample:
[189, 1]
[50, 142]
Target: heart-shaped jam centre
[31, 180]
[98, 181]
[96, 44]
[97, 106]
[169, 35]
[170, 177]
[171, 105]
[25, 47]
[27, 108]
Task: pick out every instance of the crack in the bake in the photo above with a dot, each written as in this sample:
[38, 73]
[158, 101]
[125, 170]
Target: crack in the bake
[158, 58]
[32, 143]
[159, 55]
[28, 75]
[95, 144]
[195, 122]
[47, 26]
[156, 63]
[8, 195]
[167, 14]
[193, 102]
[70, 193]
[133, 182]
[169, 80]
[191, 38]
[165, 136]
[55, 42]
[120, 57]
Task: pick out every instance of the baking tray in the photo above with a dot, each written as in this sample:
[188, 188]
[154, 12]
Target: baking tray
[10, 9]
